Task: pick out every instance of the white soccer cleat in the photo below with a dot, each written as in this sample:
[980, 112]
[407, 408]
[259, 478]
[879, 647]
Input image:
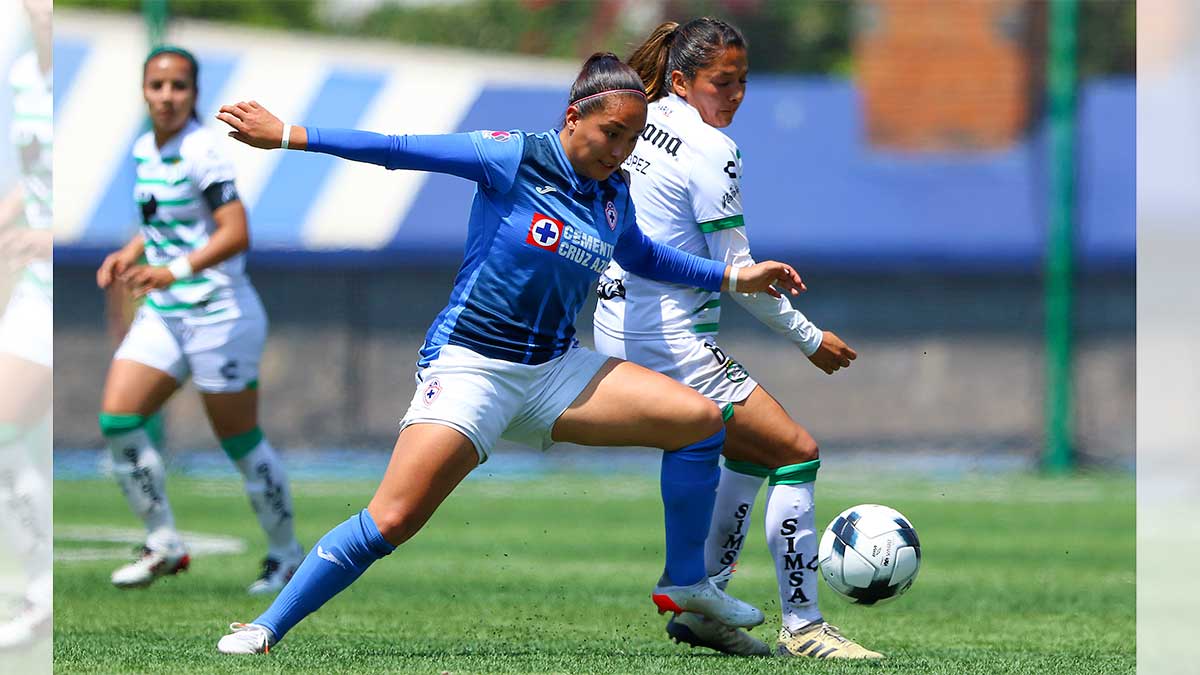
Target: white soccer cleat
[701, 631]
[28, 625]
[275, 575]
[149, 566]
[246, 638]
[703, 597]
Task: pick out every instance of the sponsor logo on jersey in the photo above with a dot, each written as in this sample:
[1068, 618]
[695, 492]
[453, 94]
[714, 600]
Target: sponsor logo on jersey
[730, 195]
[544, 232]
[607, 288]
[610, 214]
[572, 243]
[498, 136]
[661, 139]
[432, 390]
[149, 208]
[545, 189]
[731, 169]
[735, 372]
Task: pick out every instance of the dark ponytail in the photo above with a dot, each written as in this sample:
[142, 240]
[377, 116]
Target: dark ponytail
[187, 56]
[602, 72]
[687, 48]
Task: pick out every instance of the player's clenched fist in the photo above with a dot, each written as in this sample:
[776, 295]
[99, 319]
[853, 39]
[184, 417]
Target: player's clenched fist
[833, 354]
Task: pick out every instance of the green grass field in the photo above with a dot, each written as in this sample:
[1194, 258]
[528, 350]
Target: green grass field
[552, 575]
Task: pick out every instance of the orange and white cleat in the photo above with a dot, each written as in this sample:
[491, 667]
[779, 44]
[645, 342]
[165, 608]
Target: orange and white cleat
[149, 566]
[246, 638]
[703, 597]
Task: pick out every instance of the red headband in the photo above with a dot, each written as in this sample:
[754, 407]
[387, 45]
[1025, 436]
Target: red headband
[639, 92]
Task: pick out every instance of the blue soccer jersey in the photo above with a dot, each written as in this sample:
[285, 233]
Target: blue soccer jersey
[539, 236]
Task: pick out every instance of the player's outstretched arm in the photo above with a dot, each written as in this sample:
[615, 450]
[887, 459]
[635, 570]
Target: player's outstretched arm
[645, 257]
[461, 154]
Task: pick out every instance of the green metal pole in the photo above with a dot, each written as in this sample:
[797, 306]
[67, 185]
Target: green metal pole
[155, 12]
[1061, 69]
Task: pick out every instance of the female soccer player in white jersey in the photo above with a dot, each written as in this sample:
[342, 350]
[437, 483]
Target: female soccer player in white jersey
[549, 212]
[201, 318]
[25, 334]
[687, 189]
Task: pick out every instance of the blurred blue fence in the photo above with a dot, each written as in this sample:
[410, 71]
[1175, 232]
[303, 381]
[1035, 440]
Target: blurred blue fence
[814, 189]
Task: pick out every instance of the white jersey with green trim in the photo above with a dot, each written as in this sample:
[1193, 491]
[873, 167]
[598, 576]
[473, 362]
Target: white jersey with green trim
[685, 183]
[176, 218]
[32, 134]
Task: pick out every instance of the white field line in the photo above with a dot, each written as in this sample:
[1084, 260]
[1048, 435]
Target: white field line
[197, 543]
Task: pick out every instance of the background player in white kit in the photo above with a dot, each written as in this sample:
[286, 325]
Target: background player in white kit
[686, 186]
[25, 334]
[201, 318]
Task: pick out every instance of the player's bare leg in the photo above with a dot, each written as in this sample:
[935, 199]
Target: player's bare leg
[688, 427]
[764, 444]
[133, 392]
[428, 462]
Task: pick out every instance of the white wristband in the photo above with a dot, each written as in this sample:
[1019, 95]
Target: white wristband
[287, 134]
[733, 279]
[180, 268]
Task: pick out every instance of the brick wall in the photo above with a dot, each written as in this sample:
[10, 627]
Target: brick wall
[944, 74]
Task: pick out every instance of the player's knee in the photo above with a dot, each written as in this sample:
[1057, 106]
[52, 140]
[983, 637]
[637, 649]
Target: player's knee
[397, 523]
[802, 447]
[700, 418]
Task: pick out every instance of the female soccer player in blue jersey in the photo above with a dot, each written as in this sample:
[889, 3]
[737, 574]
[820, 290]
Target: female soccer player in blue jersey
[687, 189]
[550, 211]
[201, 319]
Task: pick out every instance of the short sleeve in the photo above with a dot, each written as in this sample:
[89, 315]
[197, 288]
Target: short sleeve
[714, 186]
[209, 165]
[500, 155]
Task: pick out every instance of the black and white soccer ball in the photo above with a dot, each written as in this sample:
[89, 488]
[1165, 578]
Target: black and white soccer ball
[870, 553]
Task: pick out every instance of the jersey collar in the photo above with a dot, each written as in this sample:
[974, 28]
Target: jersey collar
[171, 147]
[679, 106]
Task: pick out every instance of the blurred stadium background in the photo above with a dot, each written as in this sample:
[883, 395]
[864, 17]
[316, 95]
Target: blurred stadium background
[899, 152]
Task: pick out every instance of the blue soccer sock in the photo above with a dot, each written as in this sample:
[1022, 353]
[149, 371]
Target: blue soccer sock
[340, 557]
[689, 489]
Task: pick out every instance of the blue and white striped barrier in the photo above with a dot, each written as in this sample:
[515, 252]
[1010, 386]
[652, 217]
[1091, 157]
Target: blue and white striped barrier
[812, 185]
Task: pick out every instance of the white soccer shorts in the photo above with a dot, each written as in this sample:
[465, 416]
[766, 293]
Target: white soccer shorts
[26, 330]
[696, 362]
[487, 399]
[221, 351]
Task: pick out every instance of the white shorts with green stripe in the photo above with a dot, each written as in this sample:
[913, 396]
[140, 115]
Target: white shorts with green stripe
[220, 345]
[695, 361]
[26, 330]
[487, 399]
